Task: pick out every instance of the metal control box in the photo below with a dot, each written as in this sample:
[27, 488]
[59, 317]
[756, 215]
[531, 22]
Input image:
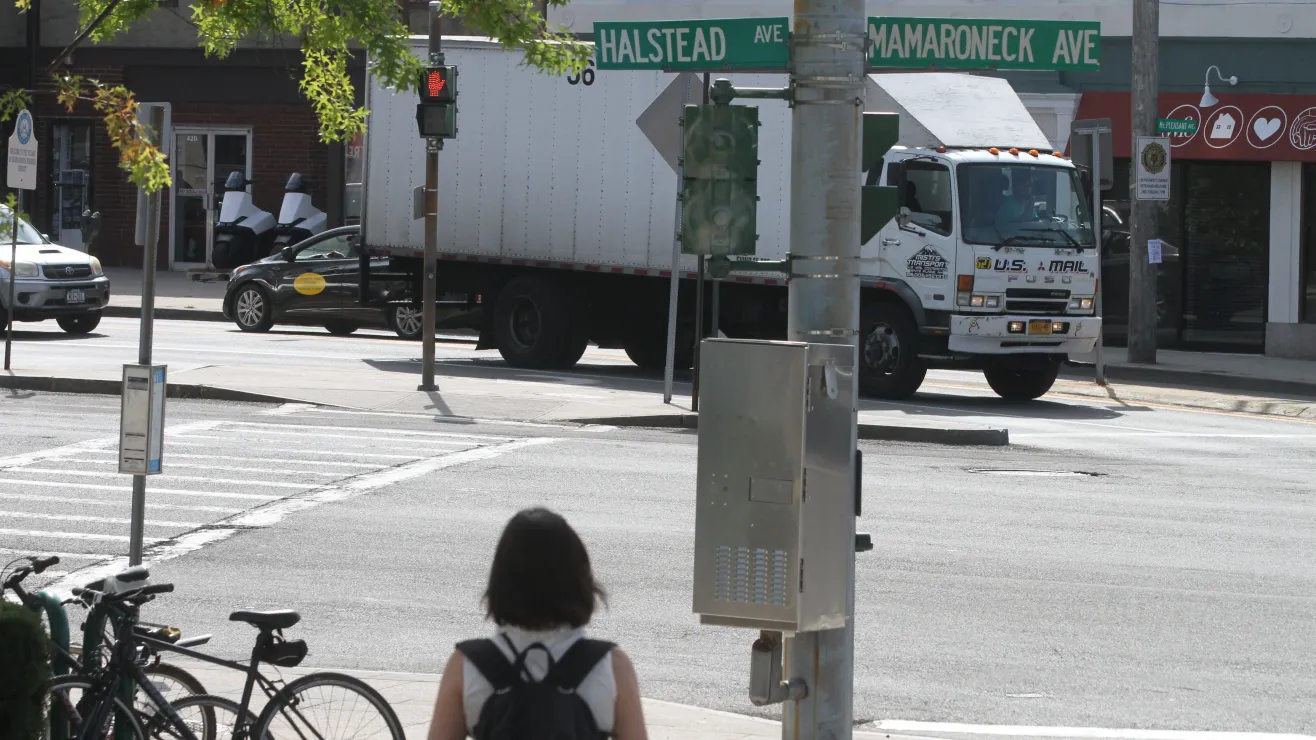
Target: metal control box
[774, 519]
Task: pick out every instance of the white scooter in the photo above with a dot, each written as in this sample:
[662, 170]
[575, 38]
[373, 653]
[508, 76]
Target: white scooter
[244, 232]
[299, 219]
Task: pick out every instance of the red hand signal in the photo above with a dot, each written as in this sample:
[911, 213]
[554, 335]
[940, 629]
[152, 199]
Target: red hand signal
[435, 83]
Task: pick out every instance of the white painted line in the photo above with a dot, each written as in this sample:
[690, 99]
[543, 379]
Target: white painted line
[340, 453]
[60, 555]
[199, 466]
[27, 458]
[163, 476]
[287, 409]
[370, 430]
[895, 725]
[128, 489]
[94, 519]
[465, 419]
[290, 461]
[70, 535]
[255, 436]
[98, 502]
[277, 510]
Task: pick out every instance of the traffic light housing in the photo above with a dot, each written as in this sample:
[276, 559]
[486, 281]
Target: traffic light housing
[878, 204]
[719, 180]
[436, 114]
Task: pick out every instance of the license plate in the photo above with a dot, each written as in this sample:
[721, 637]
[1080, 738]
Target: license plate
[1039, 327]
[75, 296]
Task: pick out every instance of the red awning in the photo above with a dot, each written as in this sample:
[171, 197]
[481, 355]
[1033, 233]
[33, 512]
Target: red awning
[1266, 128]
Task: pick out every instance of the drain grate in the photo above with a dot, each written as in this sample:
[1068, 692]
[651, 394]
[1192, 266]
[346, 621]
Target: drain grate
[1036, 473]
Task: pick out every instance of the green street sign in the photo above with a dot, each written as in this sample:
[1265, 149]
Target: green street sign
[958, 43]
[1176, 126]
[704, 45]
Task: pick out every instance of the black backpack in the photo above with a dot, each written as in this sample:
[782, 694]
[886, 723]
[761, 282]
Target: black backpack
[524, 709]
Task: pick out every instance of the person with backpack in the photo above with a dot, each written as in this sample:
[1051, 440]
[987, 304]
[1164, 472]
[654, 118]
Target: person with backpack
[539, 677]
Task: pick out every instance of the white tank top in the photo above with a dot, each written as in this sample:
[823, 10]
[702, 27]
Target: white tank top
[599, 689]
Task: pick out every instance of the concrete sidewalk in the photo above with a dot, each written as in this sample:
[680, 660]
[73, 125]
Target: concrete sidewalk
[412, 697]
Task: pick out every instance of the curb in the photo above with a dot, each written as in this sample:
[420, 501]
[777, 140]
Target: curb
[168, 314]
[112, 388]
[1185, 379]
[883, 432]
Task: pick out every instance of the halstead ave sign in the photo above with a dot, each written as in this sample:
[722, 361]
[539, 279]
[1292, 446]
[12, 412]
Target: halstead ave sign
[957, 43]
[731, 43]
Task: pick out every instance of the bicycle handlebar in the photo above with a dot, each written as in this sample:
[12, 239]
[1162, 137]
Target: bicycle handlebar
[40, 564]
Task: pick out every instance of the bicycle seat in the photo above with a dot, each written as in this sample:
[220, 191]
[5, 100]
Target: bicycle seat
[273, 620]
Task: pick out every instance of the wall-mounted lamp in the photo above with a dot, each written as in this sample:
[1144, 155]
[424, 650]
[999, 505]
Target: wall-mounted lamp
[1208, 99]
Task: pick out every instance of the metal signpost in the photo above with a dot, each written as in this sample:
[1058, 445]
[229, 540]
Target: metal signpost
[21, 174]
[141, 422]
[1099, 132]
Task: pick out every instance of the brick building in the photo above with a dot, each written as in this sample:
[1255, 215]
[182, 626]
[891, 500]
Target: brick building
[241, 113]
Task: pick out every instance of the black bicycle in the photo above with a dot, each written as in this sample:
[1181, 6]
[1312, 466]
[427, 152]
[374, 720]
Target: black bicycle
[317, 706]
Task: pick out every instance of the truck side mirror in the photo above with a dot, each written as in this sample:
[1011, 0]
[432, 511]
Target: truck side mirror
[289, 254]
[903, 217]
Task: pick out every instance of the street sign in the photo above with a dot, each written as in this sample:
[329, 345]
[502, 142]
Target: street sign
[1080, 147]
[959, 43]
[22, 171]
[703, 45]
[661, 121]
[1153, 177]
[141, 419]
[1176, 126]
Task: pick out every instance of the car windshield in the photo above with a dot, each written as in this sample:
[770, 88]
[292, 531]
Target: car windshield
[27, 233]
[1024, 205]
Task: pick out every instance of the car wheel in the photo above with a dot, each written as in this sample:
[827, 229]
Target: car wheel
[405, 320]
[79, 324]
[538, 325]
[888, 353]
[252, 310]
[1021, 384]
[340, 328]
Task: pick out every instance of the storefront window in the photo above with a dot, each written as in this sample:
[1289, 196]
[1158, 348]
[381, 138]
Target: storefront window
[1307, 283]
[70, 181]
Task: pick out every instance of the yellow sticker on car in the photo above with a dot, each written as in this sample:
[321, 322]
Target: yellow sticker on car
[309, 283]
[983, 263]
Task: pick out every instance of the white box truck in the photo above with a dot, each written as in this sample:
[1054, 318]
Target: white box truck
[555, 209]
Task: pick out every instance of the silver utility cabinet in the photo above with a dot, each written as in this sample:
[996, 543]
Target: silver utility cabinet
[774, 520]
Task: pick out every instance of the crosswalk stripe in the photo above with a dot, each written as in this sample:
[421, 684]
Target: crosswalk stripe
[72, 535]
[170, 442]
[96, 519]
[166, 476]
[256, 435]
[99, 502]
[60, 555]
[199, 466]
[370, 430]
[165, 491]
[290, 461]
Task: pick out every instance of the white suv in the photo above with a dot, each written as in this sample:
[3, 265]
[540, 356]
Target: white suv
[51, 282]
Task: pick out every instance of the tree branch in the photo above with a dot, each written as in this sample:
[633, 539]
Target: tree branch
[82, 36]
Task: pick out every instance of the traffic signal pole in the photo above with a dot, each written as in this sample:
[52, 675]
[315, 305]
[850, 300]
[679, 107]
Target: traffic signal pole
[429, 309]
[828, 42]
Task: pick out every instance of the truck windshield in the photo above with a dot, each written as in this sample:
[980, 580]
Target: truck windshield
[1024, 205]
[27, 234]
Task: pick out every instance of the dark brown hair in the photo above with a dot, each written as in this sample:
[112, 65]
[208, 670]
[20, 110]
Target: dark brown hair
[541, 577]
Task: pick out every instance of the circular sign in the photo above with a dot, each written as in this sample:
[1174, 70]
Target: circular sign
[1154, 158]
[309, 283]
[23, 127]
[1188, 113]
[1303, 134]
[1266, 127]
[1223, 127]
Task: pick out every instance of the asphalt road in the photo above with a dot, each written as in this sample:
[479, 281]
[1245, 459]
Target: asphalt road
[1115, 567]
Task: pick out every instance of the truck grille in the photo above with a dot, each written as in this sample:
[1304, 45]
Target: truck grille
[1051, 293]
[66, 272]
[1038, 307]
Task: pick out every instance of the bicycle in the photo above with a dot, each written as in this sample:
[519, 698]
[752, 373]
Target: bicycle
[285, 712]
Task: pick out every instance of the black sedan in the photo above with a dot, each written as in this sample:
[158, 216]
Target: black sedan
[315, 282]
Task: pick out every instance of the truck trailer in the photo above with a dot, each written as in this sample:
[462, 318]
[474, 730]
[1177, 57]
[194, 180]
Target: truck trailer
[555, 209]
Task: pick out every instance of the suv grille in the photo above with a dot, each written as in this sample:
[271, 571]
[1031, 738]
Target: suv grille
[66, 272]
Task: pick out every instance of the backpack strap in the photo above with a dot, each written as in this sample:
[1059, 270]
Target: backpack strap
[490, 662]
[577, 662]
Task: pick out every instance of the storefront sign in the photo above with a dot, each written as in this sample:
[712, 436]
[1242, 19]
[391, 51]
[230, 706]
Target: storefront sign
[1242, 127]
[1153, 168]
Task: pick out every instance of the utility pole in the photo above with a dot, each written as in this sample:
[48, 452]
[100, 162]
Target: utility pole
[828, 44]
[1142, 274]
[429, 310]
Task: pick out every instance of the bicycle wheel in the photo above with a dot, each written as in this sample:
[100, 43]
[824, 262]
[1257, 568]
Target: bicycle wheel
[69, 708]
[328, 706]
[207, 717]
[172, 682]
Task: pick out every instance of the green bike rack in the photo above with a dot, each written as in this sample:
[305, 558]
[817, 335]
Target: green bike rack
[58, 622]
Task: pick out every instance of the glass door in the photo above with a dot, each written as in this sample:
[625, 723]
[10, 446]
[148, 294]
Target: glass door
[203, 160]
[70, 168]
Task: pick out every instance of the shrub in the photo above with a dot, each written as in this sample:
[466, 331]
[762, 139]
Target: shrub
[24, 672]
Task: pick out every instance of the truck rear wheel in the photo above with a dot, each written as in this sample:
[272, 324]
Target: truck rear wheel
[538, 325]
[1022, 384]
[888, 353]
[650, 352]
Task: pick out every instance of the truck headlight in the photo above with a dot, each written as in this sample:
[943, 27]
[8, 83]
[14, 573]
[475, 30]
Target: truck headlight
[25, 269]
[96, 268]
[1080, 304]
